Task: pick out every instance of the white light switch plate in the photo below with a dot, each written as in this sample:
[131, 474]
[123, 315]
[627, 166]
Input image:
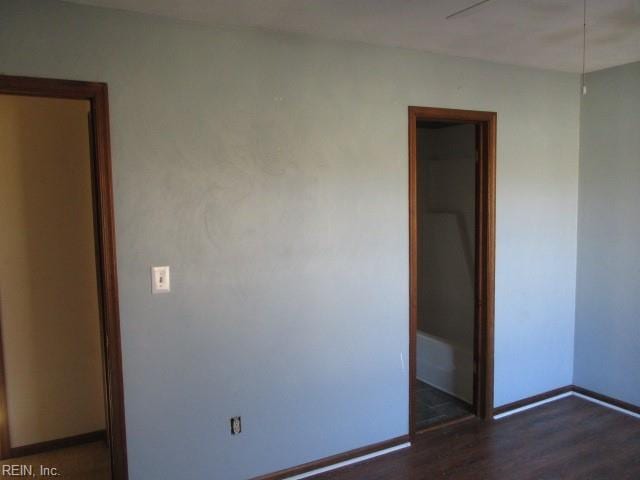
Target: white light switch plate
[160, 280]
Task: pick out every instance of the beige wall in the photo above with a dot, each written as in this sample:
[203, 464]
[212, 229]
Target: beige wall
[48, 288]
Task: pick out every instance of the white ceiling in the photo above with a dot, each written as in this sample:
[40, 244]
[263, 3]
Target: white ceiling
[536, 33]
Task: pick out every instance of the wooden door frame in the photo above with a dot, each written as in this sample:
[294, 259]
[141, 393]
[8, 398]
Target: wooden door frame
[97, 95]
[486, 123]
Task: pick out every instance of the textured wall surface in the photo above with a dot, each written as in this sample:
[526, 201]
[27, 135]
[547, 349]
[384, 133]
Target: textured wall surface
[48, 285]
[270, 172]
[607, 343]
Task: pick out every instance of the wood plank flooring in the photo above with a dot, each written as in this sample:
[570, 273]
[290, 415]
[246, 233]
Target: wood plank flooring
[81, 462]
[570, 438]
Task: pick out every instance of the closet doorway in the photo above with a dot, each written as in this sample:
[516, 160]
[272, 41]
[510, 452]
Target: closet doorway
[61, 384]
[451, 262]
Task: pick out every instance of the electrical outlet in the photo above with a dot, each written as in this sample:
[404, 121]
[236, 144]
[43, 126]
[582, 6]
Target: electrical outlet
[236, 425]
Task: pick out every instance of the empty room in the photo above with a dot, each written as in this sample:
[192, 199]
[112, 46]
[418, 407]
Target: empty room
[328, 239]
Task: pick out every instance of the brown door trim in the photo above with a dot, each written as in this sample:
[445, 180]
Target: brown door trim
[97, 95]
[485, 251]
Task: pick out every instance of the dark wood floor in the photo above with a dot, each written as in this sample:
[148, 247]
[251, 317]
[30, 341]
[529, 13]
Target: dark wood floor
[566, 439]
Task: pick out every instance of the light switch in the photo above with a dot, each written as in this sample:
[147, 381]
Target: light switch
[160, 280]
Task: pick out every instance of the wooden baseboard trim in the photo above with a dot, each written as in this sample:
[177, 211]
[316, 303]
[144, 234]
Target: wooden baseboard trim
[41, 447]
[606, 399]
[525, 402]
[334, 459]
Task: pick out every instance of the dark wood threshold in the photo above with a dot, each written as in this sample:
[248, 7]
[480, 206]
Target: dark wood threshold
[604, 398]
[341, 457]
[35, 448]
[533, 399]
[445, 423]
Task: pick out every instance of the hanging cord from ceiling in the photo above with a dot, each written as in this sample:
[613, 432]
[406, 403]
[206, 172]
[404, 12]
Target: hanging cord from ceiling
[584, 48]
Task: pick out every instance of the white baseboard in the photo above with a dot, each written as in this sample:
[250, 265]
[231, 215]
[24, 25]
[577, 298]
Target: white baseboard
[564, 395]
[439, 387]
[532, 405]
[608, 405]
[350, 461]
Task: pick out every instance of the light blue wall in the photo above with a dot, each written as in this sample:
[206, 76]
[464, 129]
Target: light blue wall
[270, 171]
[607, 345]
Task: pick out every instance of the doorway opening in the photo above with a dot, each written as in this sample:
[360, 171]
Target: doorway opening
[61, 391]
[452, 225]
